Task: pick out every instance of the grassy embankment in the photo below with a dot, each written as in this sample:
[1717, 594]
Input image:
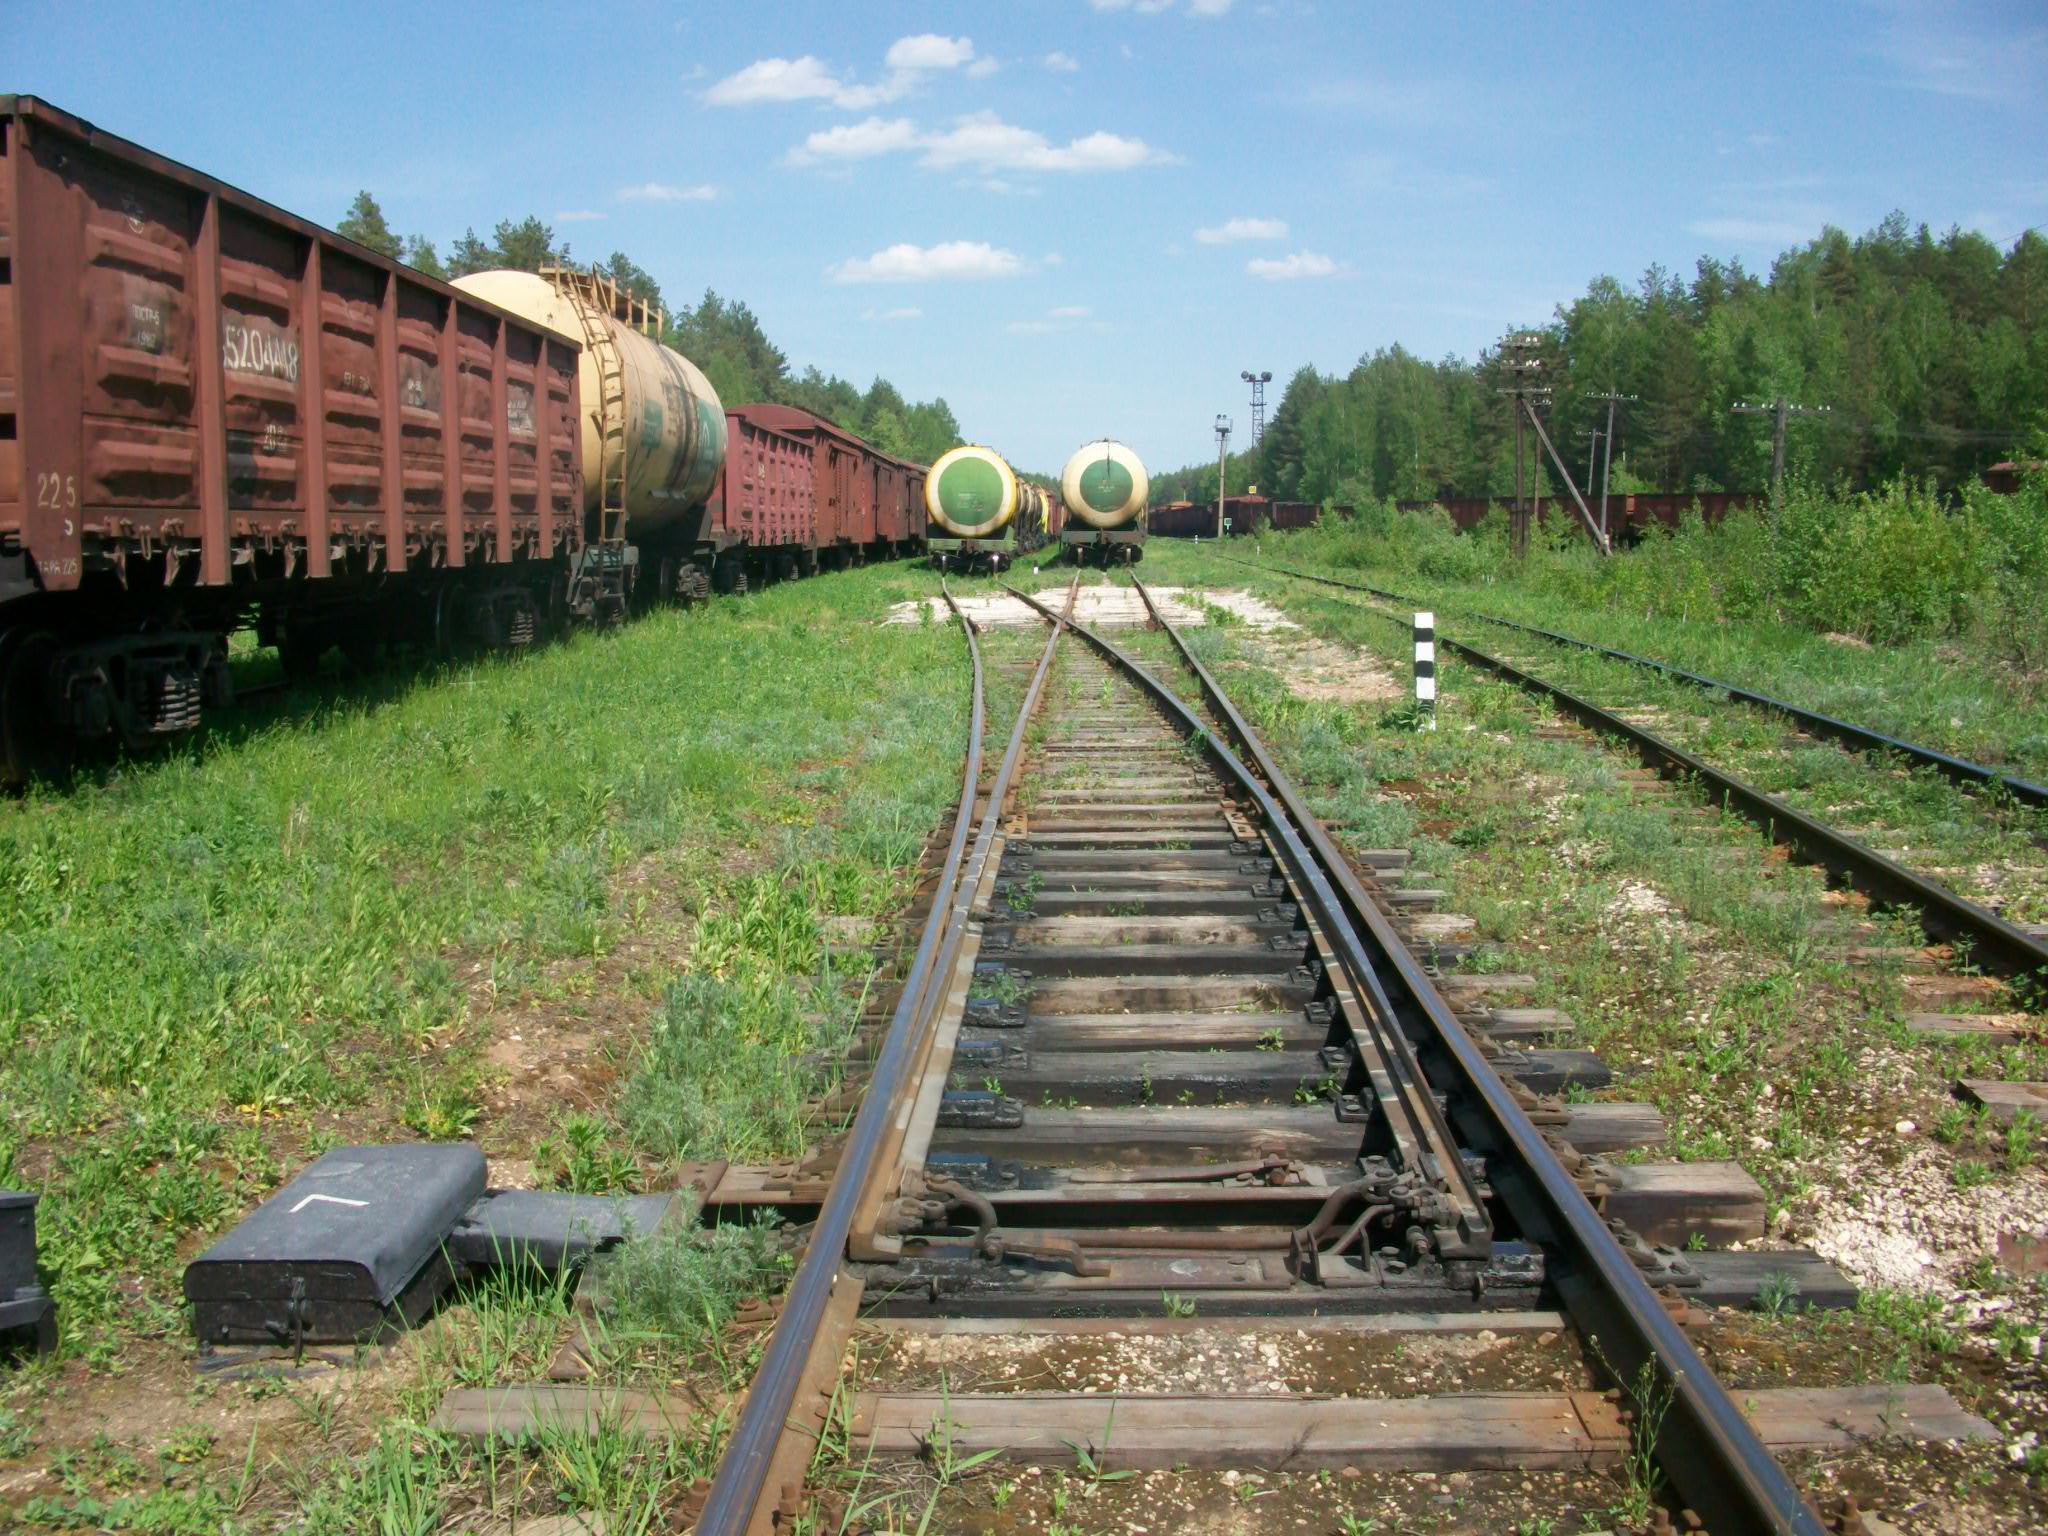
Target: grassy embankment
[594, 907]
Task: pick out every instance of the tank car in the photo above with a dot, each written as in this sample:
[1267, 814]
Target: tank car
[971, 496]
[1103, 489]
[653, 432]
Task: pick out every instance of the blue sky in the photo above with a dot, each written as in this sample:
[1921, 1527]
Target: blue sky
[1074, 218]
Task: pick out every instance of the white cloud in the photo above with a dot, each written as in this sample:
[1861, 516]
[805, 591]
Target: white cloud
[1931, 48]
[1300, 264]
[981, 142]
[1061, 63]
[1208, 7]
[909, 60]
[1071, 312]
[804, 79]
[665, 192]
[987, 143]
[950, 261]
[928, 50]
[982, 68]
[1242, 229]
[908, 312]
[863, 140]
[578, 216]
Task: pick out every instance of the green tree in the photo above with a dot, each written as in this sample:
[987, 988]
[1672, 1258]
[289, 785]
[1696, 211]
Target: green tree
[364, 223]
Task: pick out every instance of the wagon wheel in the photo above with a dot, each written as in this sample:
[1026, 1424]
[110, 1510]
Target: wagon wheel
[31, 745]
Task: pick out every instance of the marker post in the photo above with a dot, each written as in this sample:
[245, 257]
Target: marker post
[1425, 671]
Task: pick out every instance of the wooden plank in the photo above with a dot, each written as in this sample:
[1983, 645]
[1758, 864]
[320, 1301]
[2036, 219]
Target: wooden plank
[1456, 1432]
[1472, 987]
[1997, 1028]
[1157, 994]
[1363, 1325]
[514, 1413]
[1115, 931]
[1169, 1134]
[1466, 1432]
[2007, 1101]
[1824, 1418]
[1549, 1071]
[1739, 1279]
[1164, 1031]
[1668, 1202]
[1526, 1023]
[1614, 1127]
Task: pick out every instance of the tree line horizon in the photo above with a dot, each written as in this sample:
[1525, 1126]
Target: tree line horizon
[1929, 352]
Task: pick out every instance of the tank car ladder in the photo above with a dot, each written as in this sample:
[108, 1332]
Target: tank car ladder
[595, 297]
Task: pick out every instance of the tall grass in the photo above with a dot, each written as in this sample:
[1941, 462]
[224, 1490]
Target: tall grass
[206, 954]
[1951, 601]
[1886, 566]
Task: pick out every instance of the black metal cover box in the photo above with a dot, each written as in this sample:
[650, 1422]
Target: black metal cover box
[17, 1242]
[351, 1249]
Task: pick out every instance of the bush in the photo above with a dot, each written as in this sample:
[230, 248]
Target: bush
[1888, 566]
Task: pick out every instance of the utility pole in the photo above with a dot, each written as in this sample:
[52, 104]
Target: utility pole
[1607, 469]
[1523, 366]
[1780, 411]
[1258, 379]
[1222, 459]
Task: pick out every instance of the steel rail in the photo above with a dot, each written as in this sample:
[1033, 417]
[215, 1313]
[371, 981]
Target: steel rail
[1704, 1444]
[1959, 769]
[732, 1504]
[1861, 737]
[1947, 915]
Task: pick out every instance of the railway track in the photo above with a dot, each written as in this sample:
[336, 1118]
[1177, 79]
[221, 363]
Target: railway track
[2018, 951]
[1164, 1060]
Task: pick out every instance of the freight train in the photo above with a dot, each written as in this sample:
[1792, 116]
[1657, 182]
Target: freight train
[1104, 489]
[213, 414]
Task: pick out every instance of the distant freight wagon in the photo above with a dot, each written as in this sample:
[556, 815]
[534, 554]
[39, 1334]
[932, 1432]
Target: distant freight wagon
[1628, 516]
[1241, 514]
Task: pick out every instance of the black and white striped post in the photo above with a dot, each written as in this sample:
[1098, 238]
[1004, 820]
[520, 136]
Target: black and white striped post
[1425, 671]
